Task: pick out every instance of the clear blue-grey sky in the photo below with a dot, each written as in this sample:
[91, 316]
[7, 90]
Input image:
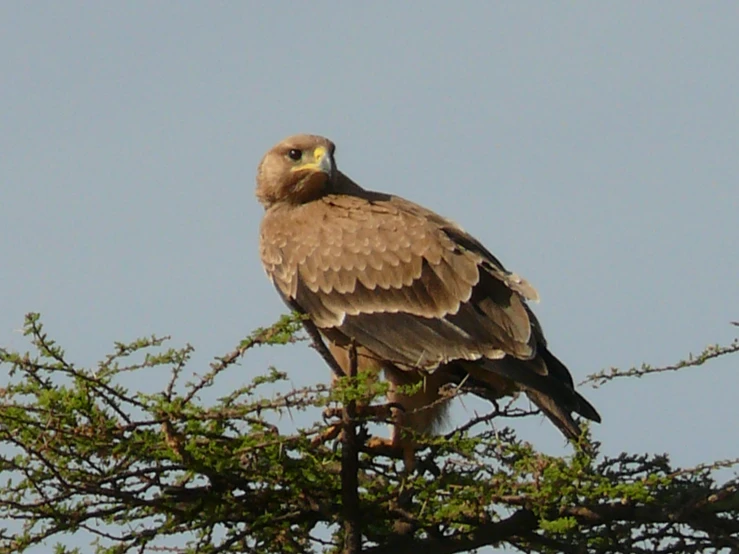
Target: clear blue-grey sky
[593, 147]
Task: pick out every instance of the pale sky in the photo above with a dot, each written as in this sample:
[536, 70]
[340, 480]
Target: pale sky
[593, 147]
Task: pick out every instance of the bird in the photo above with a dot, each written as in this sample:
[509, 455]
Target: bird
[409, 292]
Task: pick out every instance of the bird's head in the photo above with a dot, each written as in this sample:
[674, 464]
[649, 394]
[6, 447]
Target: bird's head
[297, 170]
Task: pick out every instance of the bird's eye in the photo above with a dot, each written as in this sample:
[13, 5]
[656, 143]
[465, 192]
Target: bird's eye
[295, 154]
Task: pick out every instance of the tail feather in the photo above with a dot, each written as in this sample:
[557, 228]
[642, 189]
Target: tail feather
[561, 418]
[553, 392]
[560, 372]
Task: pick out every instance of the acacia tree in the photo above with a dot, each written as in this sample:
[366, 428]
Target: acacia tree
[126, 471]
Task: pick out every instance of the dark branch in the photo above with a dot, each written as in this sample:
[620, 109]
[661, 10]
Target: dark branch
[350, 469]
[521, 522]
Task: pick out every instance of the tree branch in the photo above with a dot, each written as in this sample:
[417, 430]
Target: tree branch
[709, 353]
[350, 469]
[521, 522]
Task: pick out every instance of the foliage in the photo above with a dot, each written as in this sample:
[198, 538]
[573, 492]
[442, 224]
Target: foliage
[81, 453]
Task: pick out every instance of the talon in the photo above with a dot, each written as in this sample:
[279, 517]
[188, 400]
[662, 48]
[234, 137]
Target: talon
[387, 447]
[379, 411]
[328, 434]
[396, 406]
[331, 413]
[382, 446]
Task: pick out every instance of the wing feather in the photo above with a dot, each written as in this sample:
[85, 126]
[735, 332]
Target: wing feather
[399, 282]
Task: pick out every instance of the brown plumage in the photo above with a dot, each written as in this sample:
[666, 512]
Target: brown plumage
[423, 299]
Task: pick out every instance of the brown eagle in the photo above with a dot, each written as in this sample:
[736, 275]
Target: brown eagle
[422, 299]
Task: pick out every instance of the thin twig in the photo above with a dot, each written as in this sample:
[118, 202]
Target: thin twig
[709, 353]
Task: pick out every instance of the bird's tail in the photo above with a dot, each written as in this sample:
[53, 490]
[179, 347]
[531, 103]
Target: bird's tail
[545, 380]
[561, 417]
[557, 371]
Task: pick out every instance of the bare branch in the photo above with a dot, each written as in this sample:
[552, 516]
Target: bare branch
[709, 353]
[350, 469]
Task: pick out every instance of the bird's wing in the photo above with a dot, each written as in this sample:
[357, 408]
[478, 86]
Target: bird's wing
[402, 281]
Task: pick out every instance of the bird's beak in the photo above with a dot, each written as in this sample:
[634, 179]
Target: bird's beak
[324, 161]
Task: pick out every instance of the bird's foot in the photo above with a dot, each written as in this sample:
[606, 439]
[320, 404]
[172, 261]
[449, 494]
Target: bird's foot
[373, 412]
[404, 450]
[381, 446]
[328, 434]
[378, 412]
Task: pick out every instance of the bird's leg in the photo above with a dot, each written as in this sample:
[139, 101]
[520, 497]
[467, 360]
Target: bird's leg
[330, 433]
[397, 446]
[378, 412]
[381, 446]
[374, 412]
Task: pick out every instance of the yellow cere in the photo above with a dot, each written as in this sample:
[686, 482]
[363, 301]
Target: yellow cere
[319, 152]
